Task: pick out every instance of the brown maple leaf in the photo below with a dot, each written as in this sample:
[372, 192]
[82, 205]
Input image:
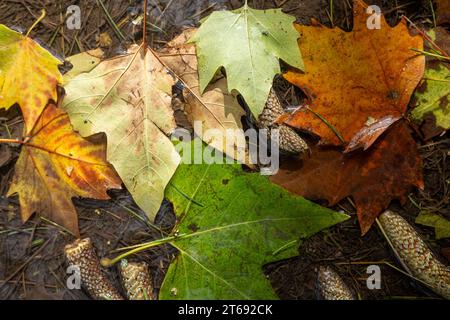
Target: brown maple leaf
[359, 82]
[57, 164]
[373, 178]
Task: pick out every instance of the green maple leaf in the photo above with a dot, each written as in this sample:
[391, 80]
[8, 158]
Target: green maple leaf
[441, 225]
[248, 43]
[432, 95]
[231, 223]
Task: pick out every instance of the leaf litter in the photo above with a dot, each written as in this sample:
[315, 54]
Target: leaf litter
[316, 238]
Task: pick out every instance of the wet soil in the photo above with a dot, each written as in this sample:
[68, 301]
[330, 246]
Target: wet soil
[32, 265]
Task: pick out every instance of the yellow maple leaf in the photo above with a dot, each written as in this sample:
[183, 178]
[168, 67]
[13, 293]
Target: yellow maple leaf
[29, 75]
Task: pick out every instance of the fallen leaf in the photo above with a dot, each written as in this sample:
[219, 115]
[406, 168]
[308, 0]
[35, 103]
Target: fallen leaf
[248, 43]
[442, 12]
[83, 62]
[216, 109]
[129, 99]
[374, 178]
[41, 174]
[432, 95]
[29, 75]
[232, 223]
[441, 225]
[441, 38]
[355, 79]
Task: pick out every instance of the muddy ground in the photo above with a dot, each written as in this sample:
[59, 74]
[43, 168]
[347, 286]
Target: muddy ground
[32, 264]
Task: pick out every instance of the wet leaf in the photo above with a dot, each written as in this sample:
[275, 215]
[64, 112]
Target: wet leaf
[216, 109]
[373, 178]
[129, 98]
[432, 95]
[231, 224]
[248, 43]
[55, 165]
[441, 225]
[29, 75]
[360, 82]
[430, 99]
[442, 11]
[83, 62]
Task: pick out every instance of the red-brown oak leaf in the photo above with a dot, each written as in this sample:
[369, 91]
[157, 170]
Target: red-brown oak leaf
[373, 178]
[359, 82]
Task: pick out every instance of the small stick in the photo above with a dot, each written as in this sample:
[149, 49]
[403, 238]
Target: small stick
[23, 265]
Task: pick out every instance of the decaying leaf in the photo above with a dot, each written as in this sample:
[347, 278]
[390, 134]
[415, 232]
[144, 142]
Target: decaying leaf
[442, 11]
[129, 99]
[441, 225]
[432, 96]
[430, 99]
[83, 62]
[360, 82]
[374, 178]
[29, 75]
[55, 165]
[216, 109]
[231, 223]
[248, 43]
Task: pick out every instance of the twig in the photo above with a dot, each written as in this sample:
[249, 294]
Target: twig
[23, 265]
[36, 23]
[110, 20]
[144, 27]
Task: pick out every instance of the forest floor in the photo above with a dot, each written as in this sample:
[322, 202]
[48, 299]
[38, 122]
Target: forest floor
[32, 264]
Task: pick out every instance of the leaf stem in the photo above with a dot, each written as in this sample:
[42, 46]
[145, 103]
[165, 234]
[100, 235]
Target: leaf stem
[144, 28]
[12, 141]
[36, 22]
[105, 262]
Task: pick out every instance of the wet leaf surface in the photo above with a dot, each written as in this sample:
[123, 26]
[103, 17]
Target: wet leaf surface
[29, 75]
[387, 171]
[129, 98]
[355, 80]
[249, 44]
[55, 165]
[231, 224]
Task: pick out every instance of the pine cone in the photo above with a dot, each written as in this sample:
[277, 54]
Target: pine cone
[136, 280]
[290, 141]
[330, 285]
[81, 253]
[415, 254]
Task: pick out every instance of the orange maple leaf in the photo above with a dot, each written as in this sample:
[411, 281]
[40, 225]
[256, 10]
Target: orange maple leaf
[57, 164]
[359, 82]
